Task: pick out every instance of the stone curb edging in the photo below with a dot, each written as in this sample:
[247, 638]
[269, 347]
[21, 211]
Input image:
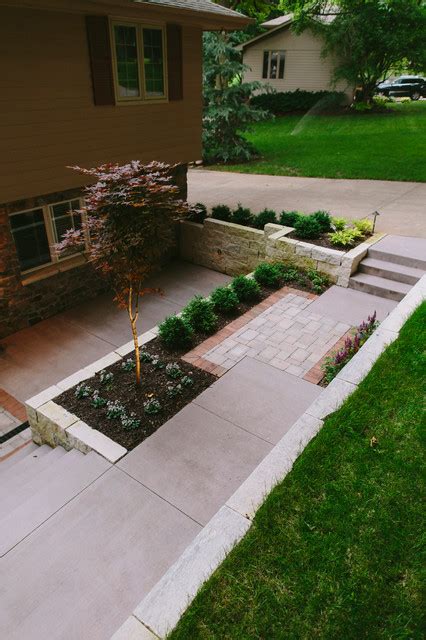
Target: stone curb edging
[52, 424]
[160, 610]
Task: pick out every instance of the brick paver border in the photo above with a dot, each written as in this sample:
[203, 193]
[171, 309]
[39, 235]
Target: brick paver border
[316, 374]
[195, 356]
[12, 405]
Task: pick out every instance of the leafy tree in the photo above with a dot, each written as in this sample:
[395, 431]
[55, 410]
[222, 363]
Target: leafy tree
[369, 38]
[130, 214]
[227, 109]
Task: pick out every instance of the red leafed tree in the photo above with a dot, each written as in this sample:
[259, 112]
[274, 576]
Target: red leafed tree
[130, 213]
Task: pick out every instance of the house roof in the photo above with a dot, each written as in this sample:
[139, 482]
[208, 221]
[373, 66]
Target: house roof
[204, 13]
[278, 22]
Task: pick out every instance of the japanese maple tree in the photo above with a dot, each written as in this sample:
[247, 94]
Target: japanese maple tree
[130, 213]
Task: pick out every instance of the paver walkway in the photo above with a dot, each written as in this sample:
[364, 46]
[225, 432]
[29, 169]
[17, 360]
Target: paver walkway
[401, 204]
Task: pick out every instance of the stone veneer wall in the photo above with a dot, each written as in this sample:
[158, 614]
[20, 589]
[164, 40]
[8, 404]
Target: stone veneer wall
[233, 249]
[23, 303]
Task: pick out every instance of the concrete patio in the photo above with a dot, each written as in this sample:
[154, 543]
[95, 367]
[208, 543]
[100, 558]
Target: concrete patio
[401, 204]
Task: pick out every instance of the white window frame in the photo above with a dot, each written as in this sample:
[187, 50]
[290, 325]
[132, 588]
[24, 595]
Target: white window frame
[270, 52]
[49, 226]
[142, 97]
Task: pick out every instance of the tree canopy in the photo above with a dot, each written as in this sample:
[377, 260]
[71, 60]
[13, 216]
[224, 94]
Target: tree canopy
[369, 38]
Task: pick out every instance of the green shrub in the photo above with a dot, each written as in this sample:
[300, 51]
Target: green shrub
[224, 300]
[364, 226]
[319, 281]
[289, 218]
[307, 227]
[175, 332]
[264, 217]
[222, 212]
[299, 100]
[242, 215]
[345, 238]
[197, 212]
[339, 223]
[290, 273]
[199, 313]
[268, 275]
[324, 220]
[246, 289]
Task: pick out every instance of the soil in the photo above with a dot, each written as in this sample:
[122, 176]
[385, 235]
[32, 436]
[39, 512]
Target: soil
[324, 241]
[154, 385]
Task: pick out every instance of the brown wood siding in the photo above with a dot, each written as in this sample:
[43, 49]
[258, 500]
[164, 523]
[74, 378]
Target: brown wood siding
[48, 119]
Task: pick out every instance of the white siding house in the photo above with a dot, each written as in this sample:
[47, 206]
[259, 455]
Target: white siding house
[287, 61]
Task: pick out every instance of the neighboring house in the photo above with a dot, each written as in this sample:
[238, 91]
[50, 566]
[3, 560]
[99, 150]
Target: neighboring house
[287, 61]
[86, 82]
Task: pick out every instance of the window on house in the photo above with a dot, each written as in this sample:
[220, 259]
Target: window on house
[35, 232]
[273, 65]
[139, 62]
[29, 233]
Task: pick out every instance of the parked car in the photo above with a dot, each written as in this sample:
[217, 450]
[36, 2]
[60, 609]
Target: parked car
[413, 87]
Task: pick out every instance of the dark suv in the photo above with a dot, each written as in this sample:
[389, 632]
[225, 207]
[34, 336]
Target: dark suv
[413, 87]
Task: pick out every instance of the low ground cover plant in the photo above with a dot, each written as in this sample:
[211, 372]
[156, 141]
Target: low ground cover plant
[334, 363]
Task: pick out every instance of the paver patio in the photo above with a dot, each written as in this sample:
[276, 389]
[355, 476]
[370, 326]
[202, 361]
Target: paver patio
[400, 204]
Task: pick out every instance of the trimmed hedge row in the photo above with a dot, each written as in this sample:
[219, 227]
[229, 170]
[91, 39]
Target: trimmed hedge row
[287, 101]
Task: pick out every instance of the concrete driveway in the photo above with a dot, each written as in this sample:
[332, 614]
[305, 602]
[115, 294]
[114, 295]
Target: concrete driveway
[402, 205]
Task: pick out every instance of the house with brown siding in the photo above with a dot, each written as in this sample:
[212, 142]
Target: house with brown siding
[86, 82]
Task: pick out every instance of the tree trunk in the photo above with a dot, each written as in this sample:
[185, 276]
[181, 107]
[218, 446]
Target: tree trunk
[133, 317]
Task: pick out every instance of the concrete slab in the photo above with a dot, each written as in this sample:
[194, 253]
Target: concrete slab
[350, 306]
[404, 246]
[195, 461]
[87, 568]
[401, 204]
[34, 358]
[259, 398]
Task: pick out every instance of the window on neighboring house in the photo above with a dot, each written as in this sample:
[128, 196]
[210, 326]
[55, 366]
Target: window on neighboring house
[139, 62]
[273, 65]
[36, 231]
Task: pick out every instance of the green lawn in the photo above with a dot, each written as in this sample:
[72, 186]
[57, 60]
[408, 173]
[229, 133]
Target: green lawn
[389, 146]
[334, 552]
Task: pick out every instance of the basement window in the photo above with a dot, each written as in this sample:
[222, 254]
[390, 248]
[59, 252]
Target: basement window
[273, 65]
[36, 231]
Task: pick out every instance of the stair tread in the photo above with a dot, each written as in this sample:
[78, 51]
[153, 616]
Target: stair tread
[65, 479]
[376, 263]
[382, 283]
[17, 457]
[31, 477]
[23, 469]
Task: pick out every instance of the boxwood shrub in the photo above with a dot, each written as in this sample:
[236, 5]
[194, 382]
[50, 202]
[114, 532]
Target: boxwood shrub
[299, 100]
[175, 332]
[222, 212]
[246, 289]
[224, 300]
[268, 275]
[264, 217]
[307, 227]
[242, 215]
[289, 218]
[199, 313]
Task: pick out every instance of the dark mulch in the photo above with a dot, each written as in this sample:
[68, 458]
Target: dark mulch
[124, 389]
[324, 241]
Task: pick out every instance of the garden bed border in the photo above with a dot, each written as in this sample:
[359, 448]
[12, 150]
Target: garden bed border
[159, 612]
[53, 425]
[234, 249]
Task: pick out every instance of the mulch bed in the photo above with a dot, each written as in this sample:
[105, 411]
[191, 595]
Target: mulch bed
[324, 241]
[154, 384]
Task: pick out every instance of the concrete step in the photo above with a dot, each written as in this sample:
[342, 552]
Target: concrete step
[19, 472]
[19, 487]
[391, 270]
[17, 457]
[59, 484]
[405, 250]
[379, 286]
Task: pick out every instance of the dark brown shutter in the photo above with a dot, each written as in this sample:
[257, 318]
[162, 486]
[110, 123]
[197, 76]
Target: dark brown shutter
[175, 61]
[100, 59]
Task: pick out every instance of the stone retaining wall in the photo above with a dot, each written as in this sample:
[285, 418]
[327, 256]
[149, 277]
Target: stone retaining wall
[233, 249]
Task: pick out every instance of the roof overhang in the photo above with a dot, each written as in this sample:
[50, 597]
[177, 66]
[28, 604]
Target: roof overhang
[208, 21]
[264, 36]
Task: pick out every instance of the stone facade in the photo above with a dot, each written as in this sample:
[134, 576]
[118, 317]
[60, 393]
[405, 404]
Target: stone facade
[25, 300]
[234, 249]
